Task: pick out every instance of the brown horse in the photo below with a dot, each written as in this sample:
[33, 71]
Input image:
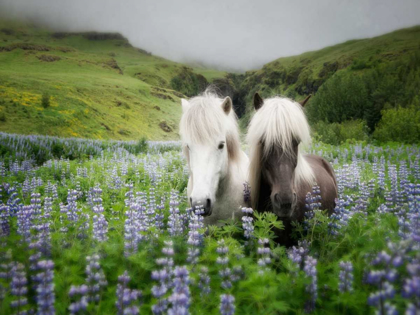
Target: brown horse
[280, 175]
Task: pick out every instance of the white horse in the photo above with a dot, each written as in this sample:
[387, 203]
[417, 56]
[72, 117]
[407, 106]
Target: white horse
[218, 167]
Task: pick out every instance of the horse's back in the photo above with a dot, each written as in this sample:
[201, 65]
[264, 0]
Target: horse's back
[325, 179]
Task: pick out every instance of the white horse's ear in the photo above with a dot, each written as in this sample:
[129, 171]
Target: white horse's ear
[227, 105]
[185, 104]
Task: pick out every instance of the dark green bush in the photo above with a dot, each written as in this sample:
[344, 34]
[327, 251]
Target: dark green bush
[401, 124]
[2, 117]
[336, 133]
[141, 146]
[365, 94]
[45, 101]
[188, 82]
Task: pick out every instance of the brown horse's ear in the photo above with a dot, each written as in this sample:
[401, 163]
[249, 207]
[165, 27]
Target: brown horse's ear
[258, 101]
[302, 103]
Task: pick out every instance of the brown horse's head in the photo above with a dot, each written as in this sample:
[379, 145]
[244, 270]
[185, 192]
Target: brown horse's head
[277, 171]
[275, 133]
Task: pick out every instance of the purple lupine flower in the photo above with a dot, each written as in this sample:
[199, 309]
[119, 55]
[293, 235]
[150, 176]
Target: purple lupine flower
[151, 209]
[14, 204]
[95, 278]
[6, 265]
[24, 221]
[36, 204]
[247, 222]
[159, 217]
[45, 297]
[41, 240]
[80, 295]
[387, 273]
[195, 236]
[341, 216]
[204, 281]
[265, 254]
[73, 212]
[180, 298]
[223, 260]
[298, 254]
[411, 289]
[164, 276]
[4, 221]
[227, 304]
[100, 227]
[237, 273]
[127, 299]
[413, 213]
[345, 280]
[312, 204]
[135, 225]
[26, 187]
[371, 188]
[18, 288]
[175, 226]
[48, 201]
[312, 287]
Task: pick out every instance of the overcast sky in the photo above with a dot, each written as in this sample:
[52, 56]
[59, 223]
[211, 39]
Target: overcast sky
[231, 34]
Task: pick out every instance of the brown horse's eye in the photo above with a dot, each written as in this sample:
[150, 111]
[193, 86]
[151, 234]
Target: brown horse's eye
[221, 146]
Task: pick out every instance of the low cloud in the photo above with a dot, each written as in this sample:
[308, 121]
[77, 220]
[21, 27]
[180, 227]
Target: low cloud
[228, 34]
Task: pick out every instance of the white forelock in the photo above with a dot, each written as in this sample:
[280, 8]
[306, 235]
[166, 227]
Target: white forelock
[204, 121]
[277, 123]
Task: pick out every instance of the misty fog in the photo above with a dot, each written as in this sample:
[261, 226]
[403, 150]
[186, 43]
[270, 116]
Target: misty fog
[227, 34]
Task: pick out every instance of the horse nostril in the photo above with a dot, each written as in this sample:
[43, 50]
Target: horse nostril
[208, 205]
[277, 198]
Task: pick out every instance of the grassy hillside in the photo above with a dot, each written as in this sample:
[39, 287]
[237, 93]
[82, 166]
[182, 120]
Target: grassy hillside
[298, 76]
[98, 85]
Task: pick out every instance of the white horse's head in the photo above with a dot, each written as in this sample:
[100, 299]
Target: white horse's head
[210, 138]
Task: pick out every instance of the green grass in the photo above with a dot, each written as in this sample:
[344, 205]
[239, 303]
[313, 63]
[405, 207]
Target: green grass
[298, 76]
[103, 89]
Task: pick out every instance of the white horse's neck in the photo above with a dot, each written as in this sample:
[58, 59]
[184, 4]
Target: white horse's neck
[230, 197]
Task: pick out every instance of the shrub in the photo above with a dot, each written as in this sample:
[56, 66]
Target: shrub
[336, 133]
[401, 124]
[141, 146]
[188, 82]
[2, 117]
[45, 100]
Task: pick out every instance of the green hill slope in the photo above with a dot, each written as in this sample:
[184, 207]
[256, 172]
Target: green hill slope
[370, 62]
[97, 84]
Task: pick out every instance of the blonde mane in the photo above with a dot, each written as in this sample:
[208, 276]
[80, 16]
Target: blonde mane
[205, 121]
[277, 123]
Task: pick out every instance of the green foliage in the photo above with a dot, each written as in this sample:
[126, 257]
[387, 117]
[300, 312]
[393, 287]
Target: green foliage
[352, 95]
[351, 80]
[336, 133]
[339, 99]
[2, 116]
[278, 289]
[45, 101]
[400, 124]
[86, 85]
[189, 83]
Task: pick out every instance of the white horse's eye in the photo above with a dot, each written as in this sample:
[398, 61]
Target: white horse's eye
[221, 145]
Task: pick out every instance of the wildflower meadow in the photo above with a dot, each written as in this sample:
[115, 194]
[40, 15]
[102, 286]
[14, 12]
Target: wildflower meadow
[95, 227]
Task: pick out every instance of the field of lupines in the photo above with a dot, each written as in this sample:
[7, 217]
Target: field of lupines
[91, 227]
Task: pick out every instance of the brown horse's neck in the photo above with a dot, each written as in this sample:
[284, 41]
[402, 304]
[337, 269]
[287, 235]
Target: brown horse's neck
[264, 202]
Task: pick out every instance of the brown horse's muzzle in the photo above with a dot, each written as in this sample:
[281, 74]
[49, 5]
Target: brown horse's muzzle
[283, 204]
